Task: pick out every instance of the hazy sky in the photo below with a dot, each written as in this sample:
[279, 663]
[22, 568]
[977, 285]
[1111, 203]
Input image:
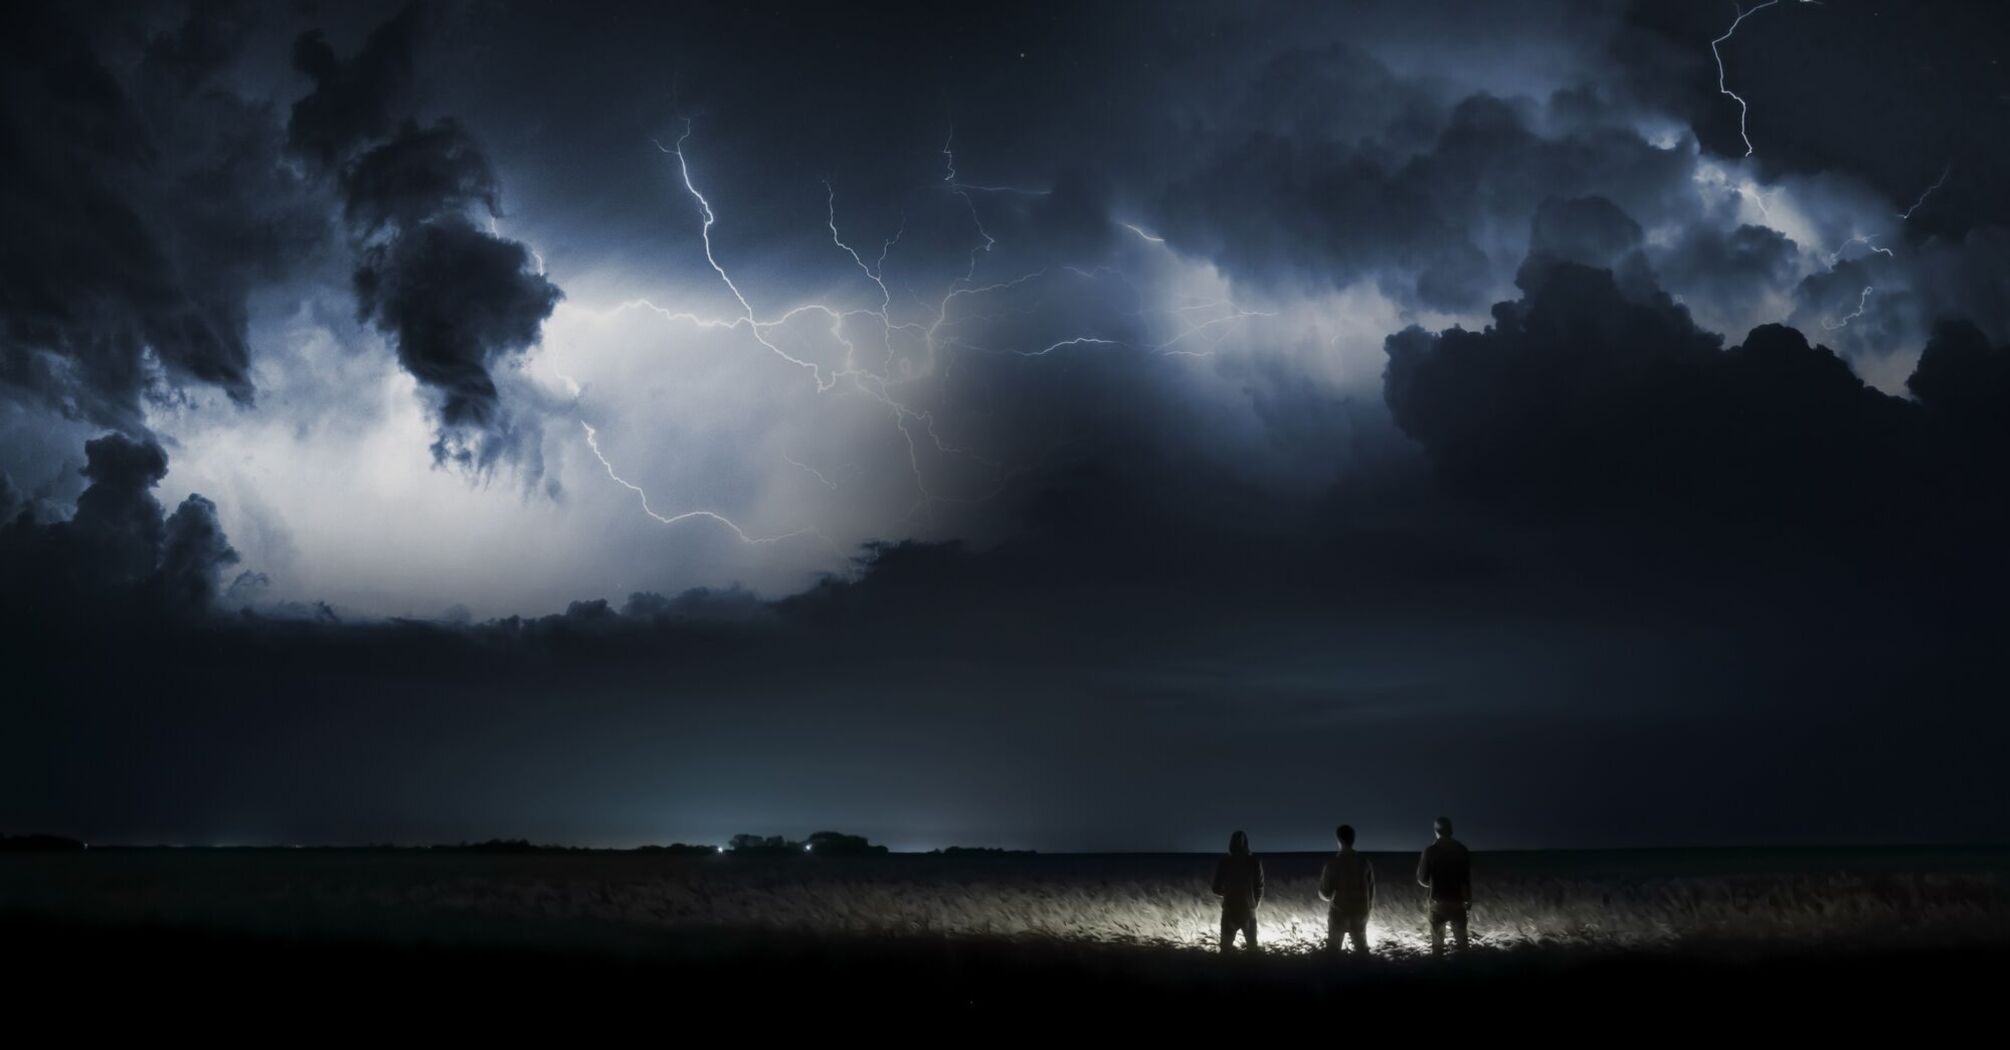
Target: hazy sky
[1070, 426]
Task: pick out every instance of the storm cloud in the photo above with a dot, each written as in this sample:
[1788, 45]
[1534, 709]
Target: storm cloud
[120, 559]
[456, 301]
[143, 204]
[996, 429]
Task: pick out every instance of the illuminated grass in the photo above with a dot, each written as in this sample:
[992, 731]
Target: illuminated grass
[1149, 901]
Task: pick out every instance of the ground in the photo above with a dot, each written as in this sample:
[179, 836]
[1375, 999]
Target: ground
[1793, 941]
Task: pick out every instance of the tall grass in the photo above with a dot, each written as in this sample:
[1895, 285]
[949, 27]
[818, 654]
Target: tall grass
[1162, 901]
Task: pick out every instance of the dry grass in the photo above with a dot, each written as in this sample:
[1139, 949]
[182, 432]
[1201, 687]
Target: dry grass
[1150, 901]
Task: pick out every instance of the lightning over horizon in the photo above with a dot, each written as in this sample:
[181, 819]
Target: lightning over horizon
[959, 425]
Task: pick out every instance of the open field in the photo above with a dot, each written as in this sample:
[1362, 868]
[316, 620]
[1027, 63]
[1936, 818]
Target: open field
[1894, 943]
[1607, 901]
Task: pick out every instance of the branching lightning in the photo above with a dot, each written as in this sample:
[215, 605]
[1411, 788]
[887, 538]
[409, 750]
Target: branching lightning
[1904, 216]
[934, 330]
[705, 233]
[949, 178]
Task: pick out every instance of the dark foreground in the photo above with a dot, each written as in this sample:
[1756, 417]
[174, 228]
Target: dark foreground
[833, 985]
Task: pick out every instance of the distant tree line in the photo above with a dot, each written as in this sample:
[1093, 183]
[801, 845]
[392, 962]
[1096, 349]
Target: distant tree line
[822, 843]
[39, 844]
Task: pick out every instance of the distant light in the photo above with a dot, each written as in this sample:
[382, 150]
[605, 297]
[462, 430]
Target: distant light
[808, 846]
[721, 849]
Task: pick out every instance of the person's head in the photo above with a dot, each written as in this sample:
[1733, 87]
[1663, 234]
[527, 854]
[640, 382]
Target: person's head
[1238, 843]
[1345, 834]
[1443, 826]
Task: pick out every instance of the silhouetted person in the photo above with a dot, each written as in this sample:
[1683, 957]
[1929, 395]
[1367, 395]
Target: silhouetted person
[1238, 881]
[1347, 885]
[1448, 872]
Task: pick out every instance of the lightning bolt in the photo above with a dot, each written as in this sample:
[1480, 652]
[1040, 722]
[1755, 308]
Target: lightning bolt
[949, 179]
[1906, 215]
[1080, 340]
[1903, 216]
[927, 334]
[1148, 238]
[1724, 88]
[705, 233]
[1843, 322]
[593, 442]
[823, 479]
[1863, 239]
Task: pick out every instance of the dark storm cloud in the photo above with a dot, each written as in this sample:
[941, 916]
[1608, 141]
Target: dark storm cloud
[1616, 413]
[1432, 223]
[354, 102]
[1964, 383]
[1893, 94]
[1603, 553]
[120, 556]
[457, 301]
[142, 206]
[416, 175]
[1732, 270]
[1967, 277]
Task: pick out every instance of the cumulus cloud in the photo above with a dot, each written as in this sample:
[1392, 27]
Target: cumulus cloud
[1618, 413]
[120, 556]
[1438, 222]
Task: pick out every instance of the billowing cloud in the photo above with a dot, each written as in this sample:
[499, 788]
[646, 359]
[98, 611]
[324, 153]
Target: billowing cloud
[457, 302]
[143, 205]
[1619, 414]
[120, 556]
[1163, 419]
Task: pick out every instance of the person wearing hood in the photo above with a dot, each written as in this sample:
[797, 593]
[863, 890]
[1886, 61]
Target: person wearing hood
[1238, 881]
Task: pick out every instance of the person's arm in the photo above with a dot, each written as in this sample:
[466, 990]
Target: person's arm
[1424, 867]
[1326, 882]
[1257, 897]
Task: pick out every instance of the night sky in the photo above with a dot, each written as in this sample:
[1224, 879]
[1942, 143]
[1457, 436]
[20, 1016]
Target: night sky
[1073, 426]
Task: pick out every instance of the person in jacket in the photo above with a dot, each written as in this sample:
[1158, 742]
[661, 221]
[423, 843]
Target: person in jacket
[1347, 885]
[1446, 870]
[1238, 881]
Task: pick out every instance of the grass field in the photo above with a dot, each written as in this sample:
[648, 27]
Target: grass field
[1789, 942]
[1617, 901]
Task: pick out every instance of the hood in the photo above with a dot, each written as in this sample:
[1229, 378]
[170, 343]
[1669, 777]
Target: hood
[1238, 844]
